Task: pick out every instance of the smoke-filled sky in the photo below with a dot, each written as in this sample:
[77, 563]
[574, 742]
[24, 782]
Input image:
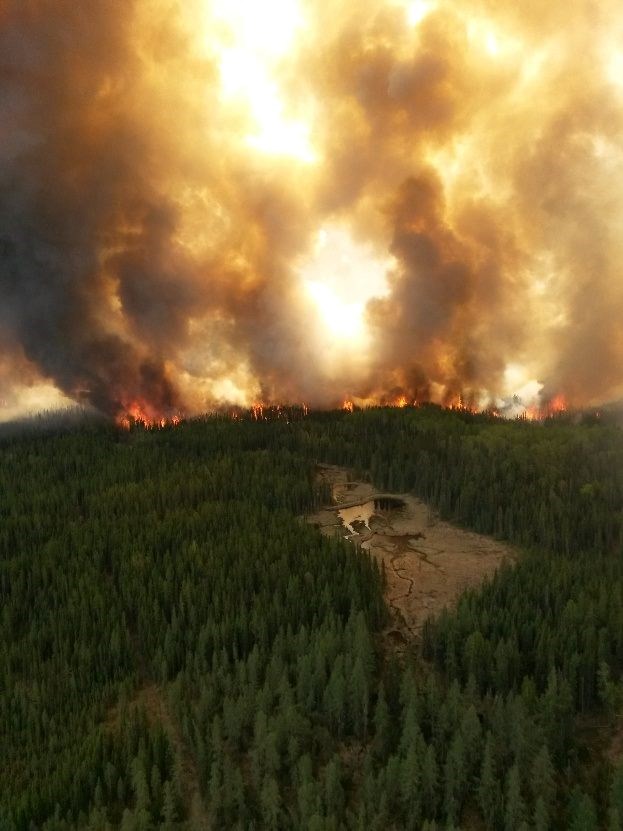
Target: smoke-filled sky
[309, 201]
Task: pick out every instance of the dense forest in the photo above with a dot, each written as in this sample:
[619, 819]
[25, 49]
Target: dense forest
[180, 650]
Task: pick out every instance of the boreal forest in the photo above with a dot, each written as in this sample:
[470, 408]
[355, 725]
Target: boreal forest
[180, 649]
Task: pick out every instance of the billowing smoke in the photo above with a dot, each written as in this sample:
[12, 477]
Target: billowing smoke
[167, 167]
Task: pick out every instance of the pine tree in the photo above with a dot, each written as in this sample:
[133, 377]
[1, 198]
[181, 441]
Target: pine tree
[334, 792]
[98, 820]
[335, 697]
[430, 783]
[542, 780]
[381, 724]
[169, 808]
[411, 736]
[616, 791]
[514, 809]
[541, 815]
[614, 820]
[410, 788]
[270, 801]
[359, 696]
[471, 735]
[607, 690]
[582, 813]
[455, 780]
[489, 791]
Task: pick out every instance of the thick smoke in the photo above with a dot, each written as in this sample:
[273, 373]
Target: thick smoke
[151, 249]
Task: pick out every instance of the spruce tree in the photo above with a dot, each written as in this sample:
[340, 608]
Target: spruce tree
[490, 797]
[514, 808]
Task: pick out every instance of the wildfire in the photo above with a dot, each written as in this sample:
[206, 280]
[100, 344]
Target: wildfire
[137, 413]
[141, 414]
[558, 404]
[554, 407]
[268, 412]
[300, 213]
[459, 404]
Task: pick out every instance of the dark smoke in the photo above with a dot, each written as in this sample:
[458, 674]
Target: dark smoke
[150, 256]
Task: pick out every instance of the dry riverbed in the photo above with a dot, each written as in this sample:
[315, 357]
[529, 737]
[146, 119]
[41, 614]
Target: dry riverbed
[428, 562]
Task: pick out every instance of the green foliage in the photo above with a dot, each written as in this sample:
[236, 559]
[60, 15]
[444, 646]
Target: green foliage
[179, 649]
[170, 561]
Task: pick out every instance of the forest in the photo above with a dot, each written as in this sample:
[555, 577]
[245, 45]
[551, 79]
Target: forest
[180, 650]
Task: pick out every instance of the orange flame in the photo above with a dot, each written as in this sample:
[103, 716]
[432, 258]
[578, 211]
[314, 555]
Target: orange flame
[457, 403]
[348, 406]
[557, 405]
[138, 413]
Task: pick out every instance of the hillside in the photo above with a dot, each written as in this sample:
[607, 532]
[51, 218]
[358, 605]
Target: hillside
[180, 649]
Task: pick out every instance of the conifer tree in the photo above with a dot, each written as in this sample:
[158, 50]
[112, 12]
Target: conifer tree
[381, 724]
[489, 791]
[430, 783]
[514, 808]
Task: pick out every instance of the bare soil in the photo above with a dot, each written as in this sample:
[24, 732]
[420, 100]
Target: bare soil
[428, 563]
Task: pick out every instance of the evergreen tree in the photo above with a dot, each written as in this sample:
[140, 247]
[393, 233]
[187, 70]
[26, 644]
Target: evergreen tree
[381, 724]
[582, 813]
[430, 783]
[542, 780]
[541, 815]
[270, 801]
[514, 809]
[410, 788]
[489, 792]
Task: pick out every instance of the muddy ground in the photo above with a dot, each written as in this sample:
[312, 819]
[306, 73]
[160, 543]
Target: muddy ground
[428, 562]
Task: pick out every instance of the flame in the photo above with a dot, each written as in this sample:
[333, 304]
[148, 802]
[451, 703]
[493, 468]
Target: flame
[140, 413]
[295, 209]
[558, 404]
[261, 411]
[455, 403]
[539, 412]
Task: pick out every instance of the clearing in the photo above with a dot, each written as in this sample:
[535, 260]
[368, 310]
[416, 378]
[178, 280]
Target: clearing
[428, 562]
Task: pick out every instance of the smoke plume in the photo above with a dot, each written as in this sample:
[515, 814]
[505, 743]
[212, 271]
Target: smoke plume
[169, 171]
